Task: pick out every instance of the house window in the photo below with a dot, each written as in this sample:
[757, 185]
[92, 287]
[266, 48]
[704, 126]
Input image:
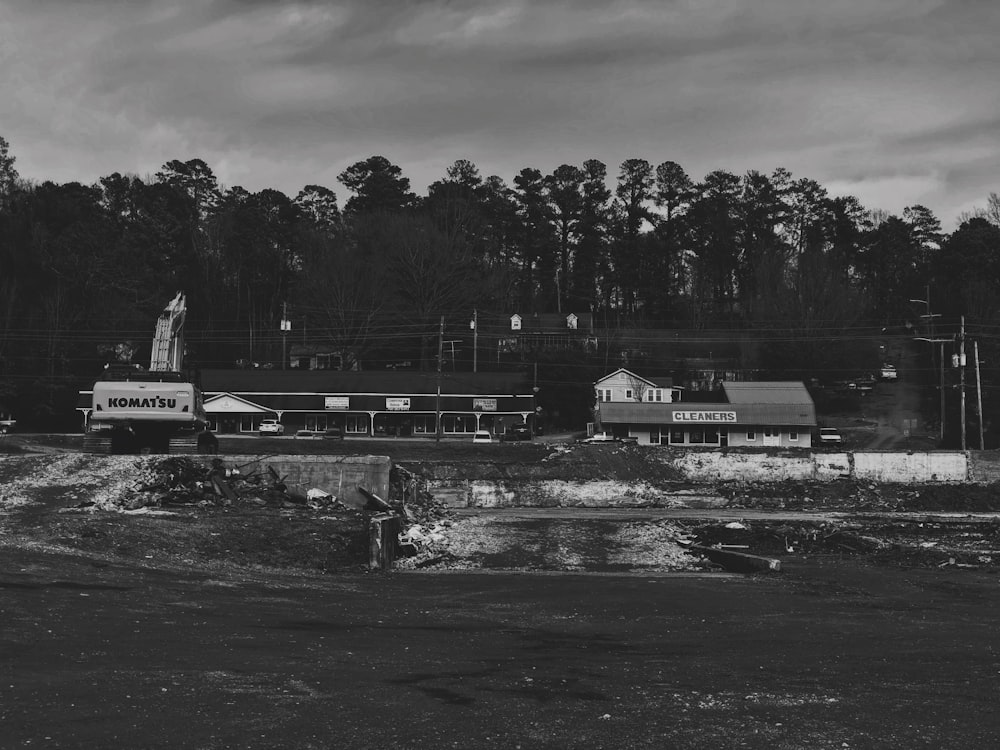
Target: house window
[629, 394]
[603, 394]
[793, 435]
[654, 394]
[751, 436]
[248, 423]
[771, 432]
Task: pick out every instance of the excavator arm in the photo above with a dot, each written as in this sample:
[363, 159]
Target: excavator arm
[168, 342]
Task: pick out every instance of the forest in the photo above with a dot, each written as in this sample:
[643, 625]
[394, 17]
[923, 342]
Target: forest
[764, 257]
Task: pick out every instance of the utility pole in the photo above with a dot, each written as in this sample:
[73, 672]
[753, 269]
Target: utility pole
[941, 391]
[474, 325]
[961, 375]
[286, 326]
[437, 432]
[979, 397]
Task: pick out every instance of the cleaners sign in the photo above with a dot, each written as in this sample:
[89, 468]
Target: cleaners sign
[704, 416]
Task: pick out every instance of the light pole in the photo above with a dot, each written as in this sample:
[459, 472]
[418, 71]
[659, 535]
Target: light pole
[474, 325]
[286, 326]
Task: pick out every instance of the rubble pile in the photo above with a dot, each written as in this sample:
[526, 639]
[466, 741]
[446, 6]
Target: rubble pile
[887, 541]
[425, 522]
[860, 496]
[180, 481]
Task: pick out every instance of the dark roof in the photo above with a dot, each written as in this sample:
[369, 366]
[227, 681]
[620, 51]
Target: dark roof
[402, 382]
[767, 392]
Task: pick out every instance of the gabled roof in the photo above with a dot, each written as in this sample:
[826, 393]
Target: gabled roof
[767, 392]
[224, 401]
[658, 382]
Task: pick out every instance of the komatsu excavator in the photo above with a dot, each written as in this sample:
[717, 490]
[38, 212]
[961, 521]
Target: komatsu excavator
[158, 410]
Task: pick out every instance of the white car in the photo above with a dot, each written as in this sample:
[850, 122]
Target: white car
[601, 437]
[271, 427]
[482, 436]
[829, 436]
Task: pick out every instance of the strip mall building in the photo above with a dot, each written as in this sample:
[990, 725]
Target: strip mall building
[777, 414]
[400, 403]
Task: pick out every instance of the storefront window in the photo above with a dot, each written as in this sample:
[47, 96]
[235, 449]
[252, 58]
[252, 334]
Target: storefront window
[248, 422]
[677, 437]
[423, 424]
[356, 424]
[654, 436]
[458, 423]
[697, 435]
[316, 422]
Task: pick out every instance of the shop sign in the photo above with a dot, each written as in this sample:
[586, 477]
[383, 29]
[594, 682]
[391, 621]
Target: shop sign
[704, 416]
[336, 402]
[397, 404]
[484, 404]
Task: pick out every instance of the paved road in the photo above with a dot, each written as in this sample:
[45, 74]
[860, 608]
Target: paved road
[96, 655]
[896, 404]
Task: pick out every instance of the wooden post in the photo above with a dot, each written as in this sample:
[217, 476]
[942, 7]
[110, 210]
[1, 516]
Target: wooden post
[979, 397]
[437, 431]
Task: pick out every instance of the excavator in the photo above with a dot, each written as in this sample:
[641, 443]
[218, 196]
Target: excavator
[158, 410]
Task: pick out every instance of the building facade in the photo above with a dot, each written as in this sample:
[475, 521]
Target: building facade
[381, 403]
[765, 414]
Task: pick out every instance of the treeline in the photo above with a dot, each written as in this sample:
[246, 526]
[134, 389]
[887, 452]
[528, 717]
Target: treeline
[85, 269]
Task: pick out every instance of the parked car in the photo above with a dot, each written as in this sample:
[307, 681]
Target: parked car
[830, 436]
[482, 436]
[889, 372]
[271, 427]
[516, 432]
[333, 433]
[307, 434]
[601, 437]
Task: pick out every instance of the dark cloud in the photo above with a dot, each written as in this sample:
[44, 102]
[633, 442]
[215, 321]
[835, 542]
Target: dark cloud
[891, 99]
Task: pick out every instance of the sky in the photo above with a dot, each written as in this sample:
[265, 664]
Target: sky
[893, 101]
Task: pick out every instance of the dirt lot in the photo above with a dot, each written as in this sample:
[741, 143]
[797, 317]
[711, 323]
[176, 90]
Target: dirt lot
[136, 616]
[64, 500]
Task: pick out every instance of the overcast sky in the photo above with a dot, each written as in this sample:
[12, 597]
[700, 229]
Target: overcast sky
[894, 101]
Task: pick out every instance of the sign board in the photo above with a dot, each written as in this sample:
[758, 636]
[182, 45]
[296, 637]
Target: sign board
[397, 404]
[704, 416]
[336, 402]
[484, 404]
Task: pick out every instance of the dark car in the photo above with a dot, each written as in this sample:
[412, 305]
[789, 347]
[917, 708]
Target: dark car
[517, 432]
[333, 433]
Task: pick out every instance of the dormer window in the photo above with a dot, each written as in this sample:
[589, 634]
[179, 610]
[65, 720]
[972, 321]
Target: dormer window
[571, 321]
[515, 322]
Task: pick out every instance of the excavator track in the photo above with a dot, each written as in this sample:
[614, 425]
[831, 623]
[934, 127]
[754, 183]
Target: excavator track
[184, 444]
[97, 444]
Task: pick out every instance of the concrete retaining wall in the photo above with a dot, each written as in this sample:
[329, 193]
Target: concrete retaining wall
[911, 467]
[338, 475]
[701, 469]
[714, 466]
